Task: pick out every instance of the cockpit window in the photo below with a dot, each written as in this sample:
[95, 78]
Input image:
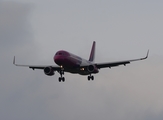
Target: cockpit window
[60, 53]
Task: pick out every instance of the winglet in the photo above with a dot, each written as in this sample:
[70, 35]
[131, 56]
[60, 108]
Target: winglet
[146, 55]
[14, 60]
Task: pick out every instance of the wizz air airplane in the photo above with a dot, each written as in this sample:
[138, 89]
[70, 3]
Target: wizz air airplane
[68, 62]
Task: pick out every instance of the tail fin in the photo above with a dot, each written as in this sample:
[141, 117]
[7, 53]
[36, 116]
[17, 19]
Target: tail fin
[92, 54]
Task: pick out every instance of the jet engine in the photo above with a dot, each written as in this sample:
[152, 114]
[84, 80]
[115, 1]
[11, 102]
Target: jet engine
[92, 69]
[49, 71]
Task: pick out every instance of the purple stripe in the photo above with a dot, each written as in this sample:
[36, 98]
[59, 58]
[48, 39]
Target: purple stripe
[92, 55]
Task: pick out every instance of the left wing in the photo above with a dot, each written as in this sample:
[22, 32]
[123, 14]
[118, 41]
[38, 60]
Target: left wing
[55, 68]
[114, 64]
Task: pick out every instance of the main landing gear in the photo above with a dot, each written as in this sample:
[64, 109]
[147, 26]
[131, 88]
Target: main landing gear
[61, 78]
[90, 77]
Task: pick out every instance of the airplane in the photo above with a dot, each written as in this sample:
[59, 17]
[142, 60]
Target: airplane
[68, 62]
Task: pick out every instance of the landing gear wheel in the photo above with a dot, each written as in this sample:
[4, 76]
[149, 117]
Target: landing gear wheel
[89, 78]
[61, 79]
[92, 77]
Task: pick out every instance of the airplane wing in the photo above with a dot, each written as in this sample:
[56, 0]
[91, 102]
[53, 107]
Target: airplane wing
[55, 68]
[114, 64]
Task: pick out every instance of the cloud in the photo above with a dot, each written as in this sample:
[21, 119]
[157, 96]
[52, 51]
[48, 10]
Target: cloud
[14, 25]
[132, 92]
[16, 38]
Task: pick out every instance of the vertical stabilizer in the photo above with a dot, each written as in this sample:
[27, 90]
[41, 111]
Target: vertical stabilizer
[92, 54]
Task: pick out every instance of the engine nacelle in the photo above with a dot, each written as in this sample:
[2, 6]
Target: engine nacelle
[92, 69]
[49, 71]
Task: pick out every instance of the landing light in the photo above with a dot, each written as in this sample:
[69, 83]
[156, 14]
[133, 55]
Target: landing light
[82, 69]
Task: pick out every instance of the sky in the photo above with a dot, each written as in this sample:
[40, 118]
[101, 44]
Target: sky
[33, 30]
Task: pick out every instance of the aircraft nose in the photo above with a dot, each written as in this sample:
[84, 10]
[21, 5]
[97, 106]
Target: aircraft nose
[58, 60]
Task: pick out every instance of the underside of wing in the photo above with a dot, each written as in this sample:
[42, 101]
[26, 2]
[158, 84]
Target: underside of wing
[111, 64]
[114, 64]
[55, 68]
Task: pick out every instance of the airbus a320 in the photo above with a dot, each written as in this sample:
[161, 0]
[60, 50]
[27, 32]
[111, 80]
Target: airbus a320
[68, 62]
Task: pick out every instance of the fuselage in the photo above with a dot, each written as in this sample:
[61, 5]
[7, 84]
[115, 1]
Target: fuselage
[72, 63]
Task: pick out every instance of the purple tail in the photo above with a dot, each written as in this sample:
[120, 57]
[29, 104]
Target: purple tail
[92, 54]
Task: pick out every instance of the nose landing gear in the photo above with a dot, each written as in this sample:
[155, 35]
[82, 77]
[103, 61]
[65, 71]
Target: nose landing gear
[61, 78]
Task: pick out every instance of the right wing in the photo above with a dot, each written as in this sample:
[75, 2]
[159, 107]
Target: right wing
[55, 68]
[114, 64]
